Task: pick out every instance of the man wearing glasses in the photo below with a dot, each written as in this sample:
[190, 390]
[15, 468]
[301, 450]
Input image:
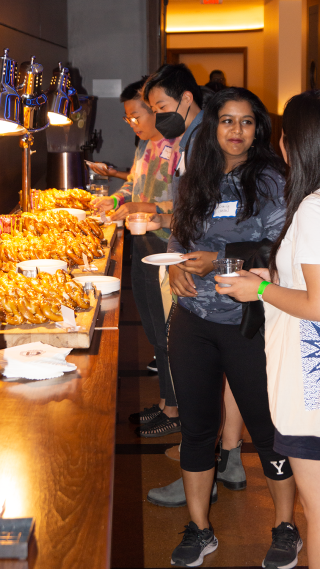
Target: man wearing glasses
[148, 189]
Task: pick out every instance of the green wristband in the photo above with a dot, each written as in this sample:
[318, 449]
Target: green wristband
[115, 202]
[262, 286]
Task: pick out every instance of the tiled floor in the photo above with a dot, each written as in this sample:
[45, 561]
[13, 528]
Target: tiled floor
[144, 535]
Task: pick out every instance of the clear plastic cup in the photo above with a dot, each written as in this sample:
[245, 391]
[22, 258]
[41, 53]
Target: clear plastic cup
[99, 190]
[227, 268]
[137, 223]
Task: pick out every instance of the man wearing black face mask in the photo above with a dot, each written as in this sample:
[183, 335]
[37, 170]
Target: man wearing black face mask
[175, 97]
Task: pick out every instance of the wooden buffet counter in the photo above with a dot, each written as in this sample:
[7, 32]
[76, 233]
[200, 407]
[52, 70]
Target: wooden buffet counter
[57, 442]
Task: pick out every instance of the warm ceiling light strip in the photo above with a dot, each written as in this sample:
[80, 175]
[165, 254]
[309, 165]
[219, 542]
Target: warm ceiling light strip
[227, 17]
[213, 28]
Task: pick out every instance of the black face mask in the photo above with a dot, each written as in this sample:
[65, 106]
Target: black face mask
[171, 124]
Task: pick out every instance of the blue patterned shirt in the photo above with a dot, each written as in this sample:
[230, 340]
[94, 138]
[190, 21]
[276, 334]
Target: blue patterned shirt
[219, 230]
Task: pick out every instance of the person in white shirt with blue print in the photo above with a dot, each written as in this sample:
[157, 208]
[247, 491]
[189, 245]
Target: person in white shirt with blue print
[232, 192]
[293, 310]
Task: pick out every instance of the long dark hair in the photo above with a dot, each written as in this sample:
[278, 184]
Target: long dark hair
[301, 138]
[199, 188]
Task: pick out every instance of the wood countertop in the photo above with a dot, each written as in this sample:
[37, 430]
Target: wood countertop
[57, 442]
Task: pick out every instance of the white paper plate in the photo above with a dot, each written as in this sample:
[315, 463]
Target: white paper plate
[79, 213]
[163, 259]
[96, 218]
[107, 285]
[43, 265]
[119, 222]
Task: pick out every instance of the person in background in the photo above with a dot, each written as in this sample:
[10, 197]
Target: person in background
[175, 97]
[231, 192]
[215, 86]
[217, 76]
[291, 296]
[102, 169]
[148, 189]
[217, 81]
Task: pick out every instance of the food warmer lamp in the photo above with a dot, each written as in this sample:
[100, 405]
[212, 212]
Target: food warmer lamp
[26, 109]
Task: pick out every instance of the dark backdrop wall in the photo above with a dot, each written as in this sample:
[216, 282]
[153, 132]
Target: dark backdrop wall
[33, 27]
[108, 43]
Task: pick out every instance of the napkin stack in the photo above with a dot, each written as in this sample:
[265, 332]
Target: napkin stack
[35, 361]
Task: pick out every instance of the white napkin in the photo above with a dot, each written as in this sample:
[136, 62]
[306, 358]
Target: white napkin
[35, 361]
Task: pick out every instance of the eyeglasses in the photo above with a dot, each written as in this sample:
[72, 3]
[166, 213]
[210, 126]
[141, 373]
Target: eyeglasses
[131, 120]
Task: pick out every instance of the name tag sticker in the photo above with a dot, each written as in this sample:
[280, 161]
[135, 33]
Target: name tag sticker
[226, 209]
[166, 153]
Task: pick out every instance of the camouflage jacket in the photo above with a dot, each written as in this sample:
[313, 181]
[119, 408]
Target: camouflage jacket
[221, 228]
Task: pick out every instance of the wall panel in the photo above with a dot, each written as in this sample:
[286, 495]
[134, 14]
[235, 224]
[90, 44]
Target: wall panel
[110, 42]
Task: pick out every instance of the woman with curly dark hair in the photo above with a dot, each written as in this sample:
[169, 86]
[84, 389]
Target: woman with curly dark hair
[231, 192]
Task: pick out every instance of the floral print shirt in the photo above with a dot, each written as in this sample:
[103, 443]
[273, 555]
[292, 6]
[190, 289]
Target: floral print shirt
[150, 179]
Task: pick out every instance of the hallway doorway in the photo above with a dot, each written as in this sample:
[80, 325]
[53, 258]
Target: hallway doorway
[201, 61]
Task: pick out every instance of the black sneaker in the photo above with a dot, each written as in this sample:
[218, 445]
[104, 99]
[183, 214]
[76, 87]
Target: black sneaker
[152, 366]
[160, 426]
[148, 414]
[286, 544]
[194, 546]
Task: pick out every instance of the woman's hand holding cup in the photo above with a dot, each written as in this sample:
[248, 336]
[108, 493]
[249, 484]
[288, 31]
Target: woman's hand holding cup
[244, 288]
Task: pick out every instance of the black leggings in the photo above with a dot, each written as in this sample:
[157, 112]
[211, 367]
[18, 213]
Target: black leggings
[147, 295]
[200, 352]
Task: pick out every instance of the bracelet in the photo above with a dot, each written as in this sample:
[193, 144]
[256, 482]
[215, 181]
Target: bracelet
[115, 202]
[262, 286]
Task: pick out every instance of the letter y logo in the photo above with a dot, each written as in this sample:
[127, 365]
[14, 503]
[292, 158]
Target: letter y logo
[281, 463]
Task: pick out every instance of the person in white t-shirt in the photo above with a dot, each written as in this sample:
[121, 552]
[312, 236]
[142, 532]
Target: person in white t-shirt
[291, 295]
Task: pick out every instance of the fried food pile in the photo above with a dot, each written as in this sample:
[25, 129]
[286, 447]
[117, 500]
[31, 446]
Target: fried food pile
[38, 300]
[52, 198]
[51, 235]
[42, 222]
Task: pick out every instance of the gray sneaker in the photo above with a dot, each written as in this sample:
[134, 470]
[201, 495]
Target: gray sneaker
[173, 495]
[230, 470]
